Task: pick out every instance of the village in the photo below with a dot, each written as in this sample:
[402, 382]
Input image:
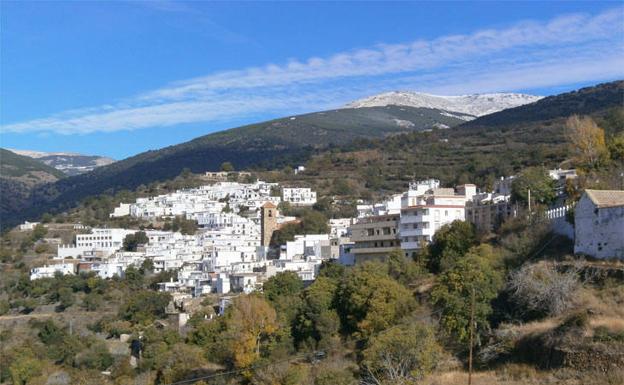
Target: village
[232, 251]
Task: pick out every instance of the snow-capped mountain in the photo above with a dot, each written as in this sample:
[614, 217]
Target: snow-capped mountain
[69, 163]
[474, 105]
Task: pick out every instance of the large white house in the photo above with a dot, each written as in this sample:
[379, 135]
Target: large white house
[599, 224]
[425, 208]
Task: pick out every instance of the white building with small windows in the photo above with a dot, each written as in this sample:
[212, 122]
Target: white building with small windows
[100, 243]
[599, 224]
[426, 207]
[299, 196]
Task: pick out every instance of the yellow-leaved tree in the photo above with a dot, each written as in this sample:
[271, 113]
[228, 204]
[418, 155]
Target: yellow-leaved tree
[251, 321]
[587, 141]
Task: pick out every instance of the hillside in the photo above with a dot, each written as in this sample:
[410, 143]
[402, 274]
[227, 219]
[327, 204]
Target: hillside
[17, 166]
[269, 144]
[476, 152]
[67, 162]
[365, 143]
[19, 175]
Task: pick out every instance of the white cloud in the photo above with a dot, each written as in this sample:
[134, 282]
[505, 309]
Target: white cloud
[530, 54]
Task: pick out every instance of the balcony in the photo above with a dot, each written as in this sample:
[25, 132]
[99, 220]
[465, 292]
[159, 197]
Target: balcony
[417, 218]
[410, 245]
[413, 232]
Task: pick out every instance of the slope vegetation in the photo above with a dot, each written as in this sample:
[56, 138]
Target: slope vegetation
[379, 148]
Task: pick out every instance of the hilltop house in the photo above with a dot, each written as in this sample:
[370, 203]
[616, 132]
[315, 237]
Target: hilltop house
[599, 224]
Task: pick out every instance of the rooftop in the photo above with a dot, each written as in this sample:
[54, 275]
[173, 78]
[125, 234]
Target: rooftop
[606, 198]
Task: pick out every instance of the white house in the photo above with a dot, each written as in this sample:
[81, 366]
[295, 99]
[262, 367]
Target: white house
[48, 271]
[299, 196]
[599, 224]
[424, 210]
[28, 226]
[121, 211]
[339, 227]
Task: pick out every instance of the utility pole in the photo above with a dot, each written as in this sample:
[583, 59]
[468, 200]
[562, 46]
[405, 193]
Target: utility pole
[529, 198]
[472, 310]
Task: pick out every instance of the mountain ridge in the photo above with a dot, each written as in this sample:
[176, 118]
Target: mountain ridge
[475, 105]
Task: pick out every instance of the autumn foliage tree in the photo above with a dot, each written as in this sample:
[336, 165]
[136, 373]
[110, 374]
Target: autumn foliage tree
[251, 320]
[587, 141]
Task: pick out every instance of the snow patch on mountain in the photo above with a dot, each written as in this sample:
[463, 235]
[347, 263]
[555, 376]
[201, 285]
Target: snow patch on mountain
[474, 105]
[70, 163]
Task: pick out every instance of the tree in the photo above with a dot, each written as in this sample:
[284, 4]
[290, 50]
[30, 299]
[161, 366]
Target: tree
[587, 141]
[616, 147]
[131, 241]
[66, 298]
[450, 243]
[282, 284]
[452, 293]
[39, 231]
[368, 300]
[537, 180]
[227, 167]
[402, 355]
[251, 320]
[403, 269]
[312, 222]
[317, 320]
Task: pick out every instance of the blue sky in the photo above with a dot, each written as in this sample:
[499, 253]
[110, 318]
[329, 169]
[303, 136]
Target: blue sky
[118, 78]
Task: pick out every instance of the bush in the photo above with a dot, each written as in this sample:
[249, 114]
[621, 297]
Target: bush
[542, 290]
[401, 355]
[144, 306]
[92, 301]
[96, 356]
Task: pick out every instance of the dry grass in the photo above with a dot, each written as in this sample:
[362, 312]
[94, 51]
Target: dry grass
[533, 328]
[518, 374]
[613, 324]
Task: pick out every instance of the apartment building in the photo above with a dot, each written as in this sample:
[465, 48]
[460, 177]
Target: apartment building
[488, 211]
[425, 208]
[374, 237]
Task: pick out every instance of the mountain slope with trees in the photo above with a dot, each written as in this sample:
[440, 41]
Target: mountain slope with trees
[365, 143]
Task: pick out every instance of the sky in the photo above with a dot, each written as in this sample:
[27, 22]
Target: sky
[119, 78]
